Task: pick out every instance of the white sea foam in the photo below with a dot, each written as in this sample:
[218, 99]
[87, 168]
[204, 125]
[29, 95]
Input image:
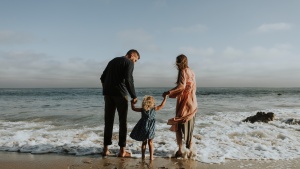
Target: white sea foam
[217, 137]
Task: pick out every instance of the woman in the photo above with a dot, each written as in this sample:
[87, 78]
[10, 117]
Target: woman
[186, 106]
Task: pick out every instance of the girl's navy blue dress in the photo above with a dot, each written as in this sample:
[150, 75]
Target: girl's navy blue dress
[145, 127]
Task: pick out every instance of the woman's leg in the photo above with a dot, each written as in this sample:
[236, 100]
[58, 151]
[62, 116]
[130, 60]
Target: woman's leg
[191, 143]
[179, 142]
[189, 128]
[144, 144]
[190, 148]
[151, 148]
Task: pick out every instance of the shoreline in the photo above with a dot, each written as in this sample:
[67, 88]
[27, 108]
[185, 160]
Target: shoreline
[15, 160]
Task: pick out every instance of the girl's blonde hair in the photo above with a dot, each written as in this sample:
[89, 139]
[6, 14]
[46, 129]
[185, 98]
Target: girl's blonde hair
[148, 102]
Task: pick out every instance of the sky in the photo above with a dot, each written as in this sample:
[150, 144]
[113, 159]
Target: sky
[229, 43]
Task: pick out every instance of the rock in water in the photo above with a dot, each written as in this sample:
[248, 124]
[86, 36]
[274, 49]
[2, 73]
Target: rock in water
[260, 117]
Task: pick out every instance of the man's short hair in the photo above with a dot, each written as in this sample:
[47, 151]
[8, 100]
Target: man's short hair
[133, 51]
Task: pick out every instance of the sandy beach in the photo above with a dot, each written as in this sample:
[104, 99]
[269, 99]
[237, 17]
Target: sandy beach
[15, 160]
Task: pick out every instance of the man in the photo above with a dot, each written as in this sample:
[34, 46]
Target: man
[117, 82]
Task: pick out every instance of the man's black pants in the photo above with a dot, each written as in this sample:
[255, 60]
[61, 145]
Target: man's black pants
[113, 103]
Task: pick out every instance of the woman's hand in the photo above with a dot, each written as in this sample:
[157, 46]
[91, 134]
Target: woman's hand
[165, 94]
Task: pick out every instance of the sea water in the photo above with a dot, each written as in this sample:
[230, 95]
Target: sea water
[70, 121]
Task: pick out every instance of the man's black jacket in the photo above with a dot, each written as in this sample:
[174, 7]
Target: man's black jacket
[117, 78]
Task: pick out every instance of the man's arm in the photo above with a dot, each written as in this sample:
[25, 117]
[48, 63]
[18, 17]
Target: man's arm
[103, 76]
[129, 82]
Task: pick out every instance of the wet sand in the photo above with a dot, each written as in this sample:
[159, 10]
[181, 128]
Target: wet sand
[15, 160]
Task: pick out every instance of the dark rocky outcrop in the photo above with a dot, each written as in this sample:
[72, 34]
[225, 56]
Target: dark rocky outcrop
[260, 117]
[292, 121]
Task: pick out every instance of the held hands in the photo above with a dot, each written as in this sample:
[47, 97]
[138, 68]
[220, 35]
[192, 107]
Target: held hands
[134, 101]
[165, 94]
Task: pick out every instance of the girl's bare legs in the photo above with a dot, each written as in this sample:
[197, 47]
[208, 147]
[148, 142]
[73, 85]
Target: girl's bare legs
[144, 144]
[151, 148]
[179, 142]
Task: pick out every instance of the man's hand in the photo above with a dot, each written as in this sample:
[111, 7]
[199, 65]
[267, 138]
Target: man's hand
[133, 101]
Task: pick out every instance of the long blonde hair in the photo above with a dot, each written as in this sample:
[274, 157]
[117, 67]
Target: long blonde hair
[148, 102]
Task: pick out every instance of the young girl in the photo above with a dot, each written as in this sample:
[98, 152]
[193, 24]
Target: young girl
[144, 130]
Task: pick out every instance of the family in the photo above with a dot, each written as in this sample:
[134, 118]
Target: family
[117, 81]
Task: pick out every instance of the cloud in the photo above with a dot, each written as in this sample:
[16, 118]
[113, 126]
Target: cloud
[197, 51]
[231, 52]
[191, 29]
[258, 66]
[274, 27]
[155, 73]
[277, 51]
[139, 38]
[10, 37]
[32, 69]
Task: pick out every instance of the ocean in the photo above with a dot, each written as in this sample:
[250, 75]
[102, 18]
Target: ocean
[70, 121]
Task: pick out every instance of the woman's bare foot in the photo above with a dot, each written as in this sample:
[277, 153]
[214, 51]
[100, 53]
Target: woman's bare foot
[178, 154]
